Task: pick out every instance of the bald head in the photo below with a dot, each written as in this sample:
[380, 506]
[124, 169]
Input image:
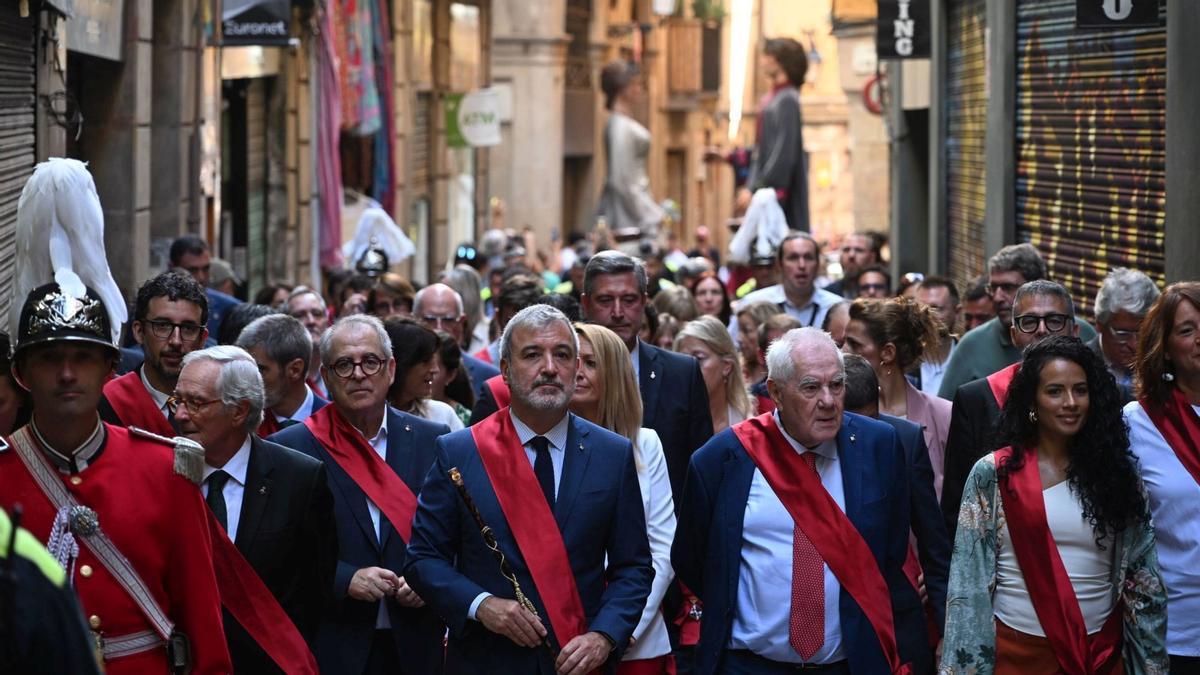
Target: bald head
[439, 307]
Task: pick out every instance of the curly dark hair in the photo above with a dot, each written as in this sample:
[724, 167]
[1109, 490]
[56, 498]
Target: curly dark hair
[175, 284]
[1102, 469]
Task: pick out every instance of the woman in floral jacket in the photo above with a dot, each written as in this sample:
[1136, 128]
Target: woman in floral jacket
[1054, 567]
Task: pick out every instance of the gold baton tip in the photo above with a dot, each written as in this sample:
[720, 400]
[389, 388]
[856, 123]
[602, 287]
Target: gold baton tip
[455, 476]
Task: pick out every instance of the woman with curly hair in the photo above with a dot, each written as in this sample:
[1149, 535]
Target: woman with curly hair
[1054, 567]
[1164, 433]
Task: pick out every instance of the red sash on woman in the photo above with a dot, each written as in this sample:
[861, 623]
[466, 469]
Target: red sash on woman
[1180, 427]
[531, 522]
[827, 527]
[499, 391]
[1050, 588]
[132, 403]
[1000, 380]
[365, 467]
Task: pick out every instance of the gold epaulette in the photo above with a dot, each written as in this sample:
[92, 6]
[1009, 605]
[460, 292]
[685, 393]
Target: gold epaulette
[189, 455]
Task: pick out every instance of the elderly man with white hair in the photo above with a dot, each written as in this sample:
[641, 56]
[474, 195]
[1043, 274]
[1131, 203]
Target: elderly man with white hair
[273, 502]
[811, 499]
[1122, 302]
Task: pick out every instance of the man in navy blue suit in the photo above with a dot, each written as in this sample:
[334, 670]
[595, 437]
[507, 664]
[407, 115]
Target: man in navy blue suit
[674, 399]
[439, 307]
[375, 458]
[282, 348]
[809, 501]
[561, 496]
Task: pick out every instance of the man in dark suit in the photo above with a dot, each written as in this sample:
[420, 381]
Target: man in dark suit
[1036, 310]
[282, 347]
[375, 458]
[798, 499]
[674, 399]
[562, 497]
[933, 545]
[273, 502]
[439, 307]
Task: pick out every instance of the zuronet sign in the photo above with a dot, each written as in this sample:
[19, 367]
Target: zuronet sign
[903, 29]
[473, 119]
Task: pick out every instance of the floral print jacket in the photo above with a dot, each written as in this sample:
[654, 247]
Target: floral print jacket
[970, 642]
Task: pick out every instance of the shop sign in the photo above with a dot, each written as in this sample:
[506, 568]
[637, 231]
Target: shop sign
[94, 27]
[903, 29]
[256, 22]
[473, 119]
[1116, 14]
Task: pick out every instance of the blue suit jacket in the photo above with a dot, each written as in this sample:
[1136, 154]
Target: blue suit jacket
[346, 630]
[598, 511]
[479, 371]
[708, 540]
[933, 544]
[675, 405]
[218, 305]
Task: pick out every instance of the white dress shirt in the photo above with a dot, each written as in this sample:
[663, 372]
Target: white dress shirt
[304, 411]
[1175, 508]
[933, 373]
[763, 612]
[160, 399]
[651, 631]
[811, 314]
[379, 443]
[635, 357]
[234, 488]
[557, 436]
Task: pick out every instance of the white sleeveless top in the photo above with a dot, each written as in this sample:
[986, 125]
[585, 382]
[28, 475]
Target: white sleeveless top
[1088, 567]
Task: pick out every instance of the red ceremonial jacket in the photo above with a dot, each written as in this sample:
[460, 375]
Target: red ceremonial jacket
[157, 520]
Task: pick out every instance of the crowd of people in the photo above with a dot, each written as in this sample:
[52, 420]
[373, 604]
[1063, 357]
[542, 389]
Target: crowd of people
[616, 457]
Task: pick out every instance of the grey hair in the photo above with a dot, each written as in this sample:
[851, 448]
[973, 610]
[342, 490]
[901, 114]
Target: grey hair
[303, 290]
[1021, 258]
[1125, 290]
[282, 337]
[466, 282]
[238, 380]
[781, 361]
[364, 320]
[1043, 287]
[613, 262]
[538, 317]
[458, 300]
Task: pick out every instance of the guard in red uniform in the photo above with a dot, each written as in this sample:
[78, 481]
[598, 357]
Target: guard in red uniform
[115, 507]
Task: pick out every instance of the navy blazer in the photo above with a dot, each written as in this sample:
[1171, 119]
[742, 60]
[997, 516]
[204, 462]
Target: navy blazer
[599, 512]
[679, 414]
[708, 540]
[479, 371]
[933, 545]
[346, 630]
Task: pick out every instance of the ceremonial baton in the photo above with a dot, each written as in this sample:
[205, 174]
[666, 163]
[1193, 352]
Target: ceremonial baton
[489, 540]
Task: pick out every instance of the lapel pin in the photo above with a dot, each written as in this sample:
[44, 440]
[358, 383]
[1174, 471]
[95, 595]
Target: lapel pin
[851, 438]
[652, 374]
[581, 446]
[407, 427]
[262, 489]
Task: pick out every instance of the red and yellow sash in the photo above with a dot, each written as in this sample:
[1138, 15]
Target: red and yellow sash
[1050, 588]
[827, 527]
[367, 469]
[1180, 427]
[531, 522]
[133, 405]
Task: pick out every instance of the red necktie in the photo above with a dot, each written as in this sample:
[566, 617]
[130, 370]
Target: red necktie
[806, 629]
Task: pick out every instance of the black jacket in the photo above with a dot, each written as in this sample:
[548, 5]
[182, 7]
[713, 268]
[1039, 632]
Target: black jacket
[972, 435]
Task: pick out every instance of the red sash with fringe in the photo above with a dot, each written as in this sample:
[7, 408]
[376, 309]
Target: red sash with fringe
[827, 527]
[367, 469]
[1050, 588]
[1180, 427]
[133, 405]
[531, 522]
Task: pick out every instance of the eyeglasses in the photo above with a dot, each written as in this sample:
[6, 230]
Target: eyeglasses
[1008, 288]
[193, 406]
[315, 313]
[811, 390]
[344, 368]
[1122, 336]
[912, 278]
[436, 322]
[163, 329]
[1028, 323]
[883, 288]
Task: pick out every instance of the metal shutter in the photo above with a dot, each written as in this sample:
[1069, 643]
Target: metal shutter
[1091, 145]
[18, 150]
[966, 128]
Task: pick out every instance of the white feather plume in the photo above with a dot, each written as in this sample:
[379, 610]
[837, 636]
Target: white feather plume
[375, 224]
[763, 227]
[60, 237]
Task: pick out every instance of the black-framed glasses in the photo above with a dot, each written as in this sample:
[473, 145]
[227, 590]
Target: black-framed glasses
[865, 288]
[344, 368]
[193, 406]
[163, 329]
[1008, 289]
[1028, 323]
